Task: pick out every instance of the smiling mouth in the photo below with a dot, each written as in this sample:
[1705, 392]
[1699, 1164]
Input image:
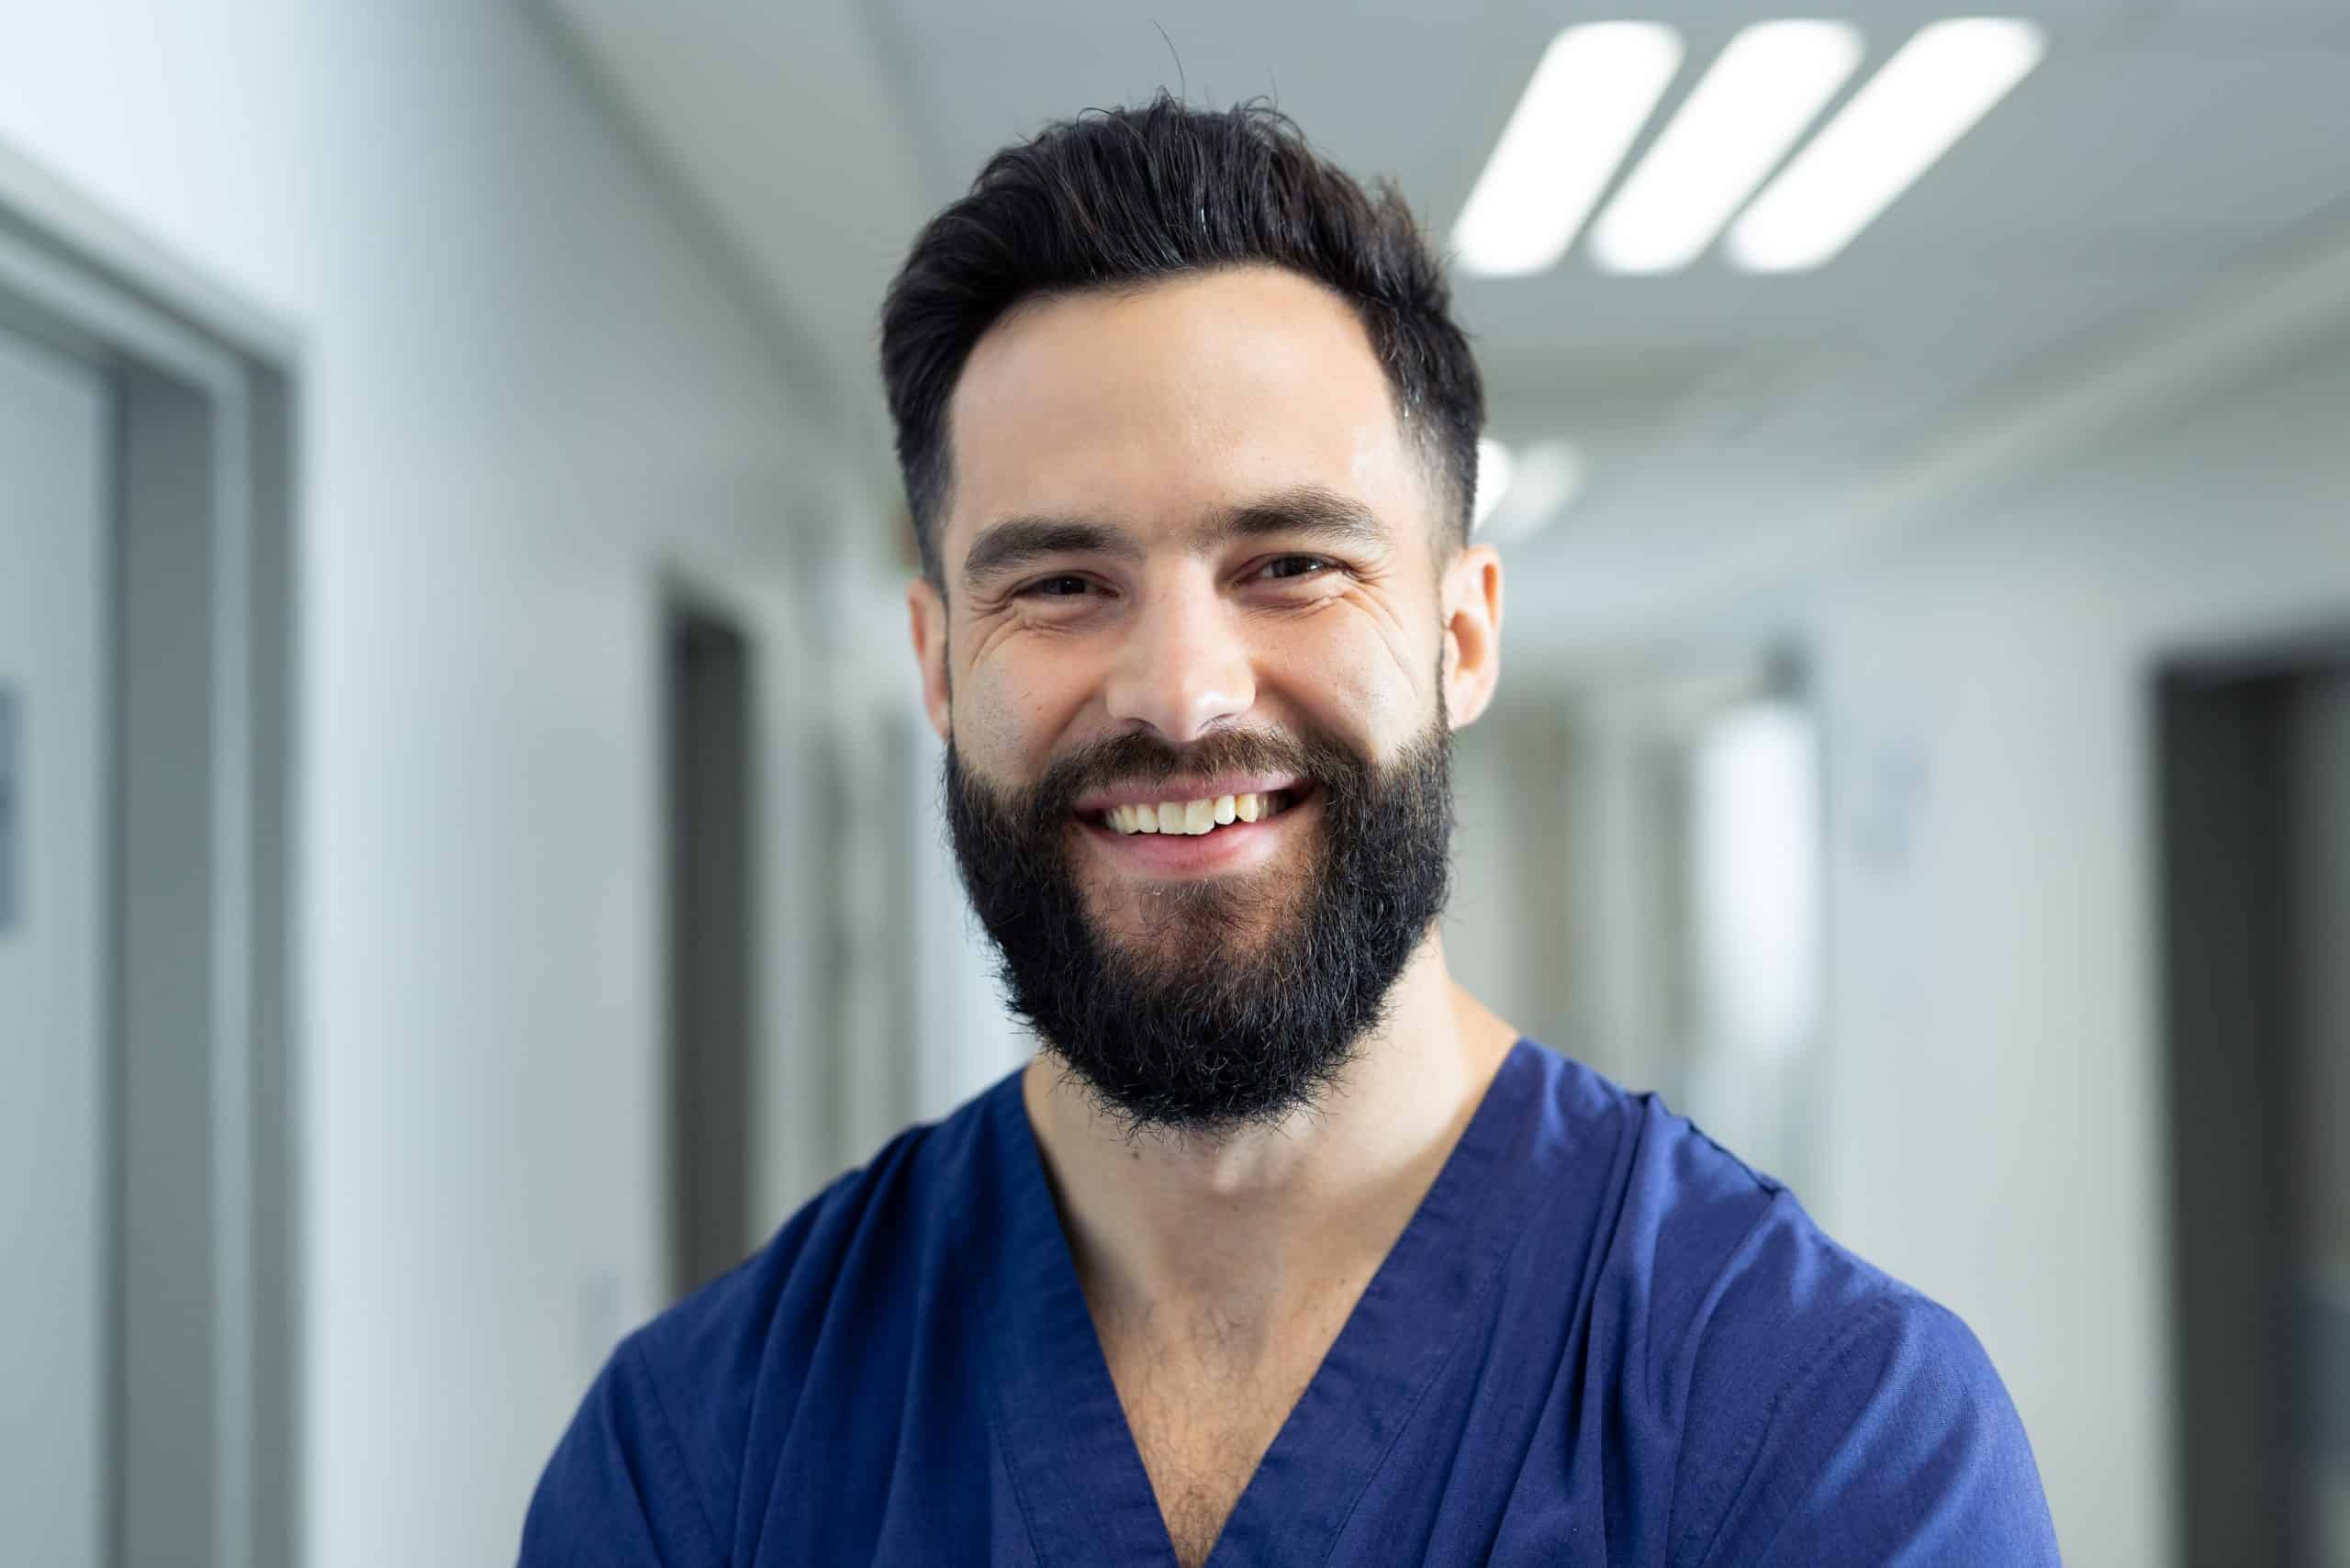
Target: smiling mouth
[1196, 817]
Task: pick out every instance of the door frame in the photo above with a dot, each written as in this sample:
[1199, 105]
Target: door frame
[202, 1451]
[710, 915]
[2224, 938]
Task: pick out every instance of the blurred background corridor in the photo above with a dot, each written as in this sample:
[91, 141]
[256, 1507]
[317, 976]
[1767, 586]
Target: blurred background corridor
[469, 859]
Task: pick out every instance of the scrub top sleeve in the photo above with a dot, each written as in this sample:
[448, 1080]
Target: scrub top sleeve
[1895, 1444]
[617, 1492]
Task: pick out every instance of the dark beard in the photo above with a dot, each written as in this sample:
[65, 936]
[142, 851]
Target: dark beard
[1250, 994]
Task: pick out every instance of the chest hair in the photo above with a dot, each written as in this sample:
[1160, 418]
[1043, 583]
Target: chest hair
[1204, 1403]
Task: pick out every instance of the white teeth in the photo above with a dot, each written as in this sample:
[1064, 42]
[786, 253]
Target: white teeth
[1191, 817]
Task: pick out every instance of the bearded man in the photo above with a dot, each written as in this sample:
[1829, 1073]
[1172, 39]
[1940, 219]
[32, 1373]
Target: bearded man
[1285, 1250]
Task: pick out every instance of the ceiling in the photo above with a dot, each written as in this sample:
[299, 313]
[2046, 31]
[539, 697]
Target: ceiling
[2163, 146]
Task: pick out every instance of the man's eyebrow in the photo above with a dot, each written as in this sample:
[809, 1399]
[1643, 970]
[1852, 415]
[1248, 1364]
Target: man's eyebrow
[1311, 510]
[1018, 541]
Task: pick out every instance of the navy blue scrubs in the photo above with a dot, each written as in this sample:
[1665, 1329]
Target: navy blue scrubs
[1601, 1340]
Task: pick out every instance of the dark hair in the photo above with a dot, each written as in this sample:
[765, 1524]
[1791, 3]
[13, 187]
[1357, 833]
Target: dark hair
[1125, 197]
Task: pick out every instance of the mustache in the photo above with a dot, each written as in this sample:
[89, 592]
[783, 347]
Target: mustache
[1139, 758]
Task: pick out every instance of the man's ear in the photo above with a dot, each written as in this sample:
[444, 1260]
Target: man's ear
[926, 609]
[1472, 632]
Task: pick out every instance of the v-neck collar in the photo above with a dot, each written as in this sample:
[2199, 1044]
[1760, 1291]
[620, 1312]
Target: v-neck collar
[1080, 1480]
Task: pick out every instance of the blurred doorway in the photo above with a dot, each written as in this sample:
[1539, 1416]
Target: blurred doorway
[56, 453]
[148, 1336]
[708, 692]
[2254, 798]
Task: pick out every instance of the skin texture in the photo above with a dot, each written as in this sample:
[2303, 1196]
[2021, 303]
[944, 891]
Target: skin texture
[1217, 1270]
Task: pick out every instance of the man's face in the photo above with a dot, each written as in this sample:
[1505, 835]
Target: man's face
[1191, 556]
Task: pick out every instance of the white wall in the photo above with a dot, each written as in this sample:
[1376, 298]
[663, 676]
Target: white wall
[1996, 1103]
[522, 388]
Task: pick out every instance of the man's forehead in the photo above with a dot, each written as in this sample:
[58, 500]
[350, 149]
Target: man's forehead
[1164, 405]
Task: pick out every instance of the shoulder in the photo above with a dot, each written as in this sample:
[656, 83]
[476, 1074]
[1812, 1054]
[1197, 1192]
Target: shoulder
[1678, 1220]
[872, 1222]
[659, 1442]
[849, 1252]
[1878, 1431]
[1702, 1245]
[1826, 1411]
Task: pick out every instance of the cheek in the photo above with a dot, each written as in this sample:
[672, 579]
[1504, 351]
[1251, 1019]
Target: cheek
[1354, 681]
[1009, 713]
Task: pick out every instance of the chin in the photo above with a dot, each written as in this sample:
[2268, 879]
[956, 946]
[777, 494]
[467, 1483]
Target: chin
[1174, 923]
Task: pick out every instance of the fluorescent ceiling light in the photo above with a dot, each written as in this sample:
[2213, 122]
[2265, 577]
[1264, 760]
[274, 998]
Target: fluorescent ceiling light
[1544, 481]
[1928, 95]
[1589, 97]
[1494, 471]
[1739, 121]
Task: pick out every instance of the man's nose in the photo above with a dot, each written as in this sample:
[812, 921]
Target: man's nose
[1184, 666]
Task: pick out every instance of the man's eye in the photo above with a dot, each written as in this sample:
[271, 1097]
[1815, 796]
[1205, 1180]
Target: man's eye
[1294, 566]
[1064, 587]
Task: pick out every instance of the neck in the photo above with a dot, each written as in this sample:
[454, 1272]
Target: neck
[1247, 1221]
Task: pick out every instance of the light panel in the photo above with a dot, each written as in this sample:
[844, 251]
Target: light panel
[1548, 478]
[1933, 91]
[1595, 88]
[1760, 93]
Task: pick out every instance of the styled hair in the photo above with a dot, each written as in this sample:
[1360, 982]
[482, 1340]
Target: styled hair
[1122, 198]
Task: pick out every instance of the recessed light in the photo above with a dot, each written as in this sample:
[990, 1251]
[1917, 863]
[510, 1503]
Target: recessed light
[1595, 88]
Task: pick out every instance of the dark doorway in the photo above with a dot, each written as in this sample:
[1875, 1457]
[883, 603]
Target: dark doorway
[2254, 803]
[709, 940]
